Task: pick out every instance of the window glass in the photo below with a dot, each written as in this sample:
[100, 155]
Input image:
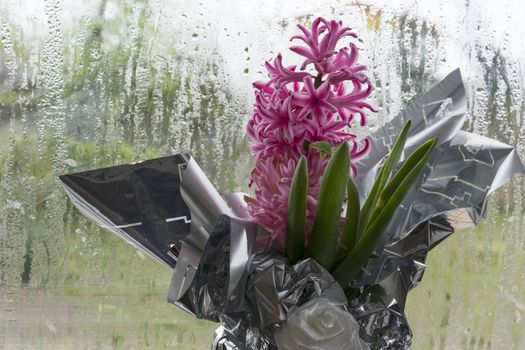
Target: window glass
[88, 84]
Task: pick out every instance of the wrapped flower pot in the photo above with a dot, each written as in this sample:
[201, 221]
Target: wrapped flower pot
[336, 234]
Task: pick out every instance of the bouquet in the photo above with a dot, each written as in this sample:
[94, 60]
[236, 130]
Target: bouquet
[324, 253]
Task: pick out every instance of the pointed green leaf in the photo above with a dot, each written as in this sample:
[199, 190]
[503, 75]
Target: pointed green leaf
[323, 147]
[358, 257]
[325, 233]
[370, 202]
[383, 176]
[296, 220]
[353, 208]
[404, 172]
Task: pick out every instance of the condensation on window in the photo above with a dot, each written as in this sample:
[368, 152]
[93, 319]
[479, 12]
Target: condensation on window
[92, 84]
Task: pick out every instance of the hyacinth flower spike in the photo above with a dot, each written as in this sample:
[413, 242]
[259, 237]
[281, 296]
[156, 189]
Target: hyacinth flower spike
[297, 107]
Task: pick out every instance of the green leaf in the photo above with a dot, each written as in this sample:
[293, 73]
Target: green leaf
[353, 209]
[325, 232]
[401, 175]
[296, 220]
[323, 147]
[405, 171]
[383, 176]
[415, 164]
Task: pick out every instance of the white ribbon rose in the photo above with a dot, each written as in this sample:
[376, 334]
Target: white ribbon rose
[319, 324]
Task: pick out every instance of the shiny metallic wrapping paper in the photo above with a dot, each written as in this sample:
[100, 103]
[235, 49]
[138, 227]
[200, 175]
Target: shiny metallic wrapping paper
[225, 268]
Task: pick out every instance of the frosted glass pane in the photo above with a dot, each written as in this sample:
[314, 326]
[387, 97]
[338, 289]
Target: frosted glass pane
[86, 84]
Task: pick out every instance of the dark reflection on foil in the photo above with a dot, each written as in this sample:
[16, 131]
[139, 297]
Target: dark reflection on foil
[225, 267]
[140, 202]
[209, 300]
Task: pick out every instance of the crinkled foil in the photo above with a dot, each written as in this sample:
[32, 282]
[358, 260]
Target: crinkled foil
[225, 269]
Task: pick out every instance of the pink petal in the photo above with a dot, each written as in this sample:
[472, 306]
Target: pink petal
[302, 51]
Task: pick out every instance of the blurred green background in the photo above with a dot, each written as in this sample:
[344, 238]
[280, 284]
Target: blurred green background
[87, 85]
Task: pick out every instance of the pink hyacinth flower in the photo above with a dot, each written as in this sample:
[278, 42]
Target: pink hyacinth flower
[294, 108]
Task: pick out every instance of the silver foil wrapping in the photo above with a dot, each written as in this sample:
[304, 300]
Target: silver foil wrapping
[225, 268]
